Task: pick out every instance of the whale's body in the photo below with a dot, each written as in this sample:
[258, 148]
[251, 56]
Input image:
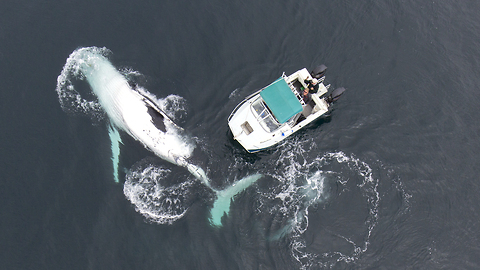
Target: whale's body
[134, 113]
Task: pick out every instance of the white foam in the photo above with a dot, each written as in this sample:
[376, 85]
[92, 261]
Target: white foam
[157, 203]
[303, 185]
[70, 99]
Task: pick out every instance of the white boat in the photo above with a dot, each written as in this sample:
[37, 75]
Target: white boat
[278, 110]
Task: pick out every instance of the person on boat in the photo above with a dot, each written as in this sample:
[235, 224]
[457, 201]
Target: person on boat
[312, 85]
[306, 96]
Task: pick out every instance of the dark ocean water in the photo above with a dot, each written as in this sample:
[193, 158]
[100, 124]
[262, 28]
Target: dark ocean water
[397, 156]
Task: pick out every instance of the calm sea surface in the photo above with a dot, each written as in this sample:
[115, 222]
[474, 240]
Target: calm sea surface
[387, 180]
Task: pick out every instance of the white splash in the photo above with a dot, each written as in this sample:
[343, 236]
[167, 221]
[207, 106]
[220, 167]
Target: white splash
[303, 186]
[153, 200]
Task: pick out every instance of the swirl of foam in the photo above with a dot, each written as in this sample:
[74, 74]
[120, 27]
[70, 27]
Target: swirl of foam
[154, 201]
[304, 185]
[70, 99]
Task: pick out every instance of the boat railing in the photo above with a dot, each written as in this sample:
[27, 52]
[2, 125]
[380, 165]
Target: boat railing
[292, 87]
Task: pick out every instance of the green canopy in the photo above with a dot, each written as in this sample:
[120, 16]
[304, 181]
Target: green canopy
[281, 100]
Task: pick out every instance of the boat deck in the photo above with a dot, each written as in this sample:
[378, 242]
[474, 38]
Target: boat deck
[298, 87]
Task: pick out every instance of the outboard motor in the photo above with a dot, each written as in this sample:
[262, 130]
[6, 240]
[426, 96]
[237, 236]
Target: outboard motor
[319, 71]
[335, 95]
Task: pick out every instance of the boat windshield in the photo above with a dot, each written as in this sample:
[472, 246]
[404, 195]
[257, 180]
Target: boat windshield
[264, 117]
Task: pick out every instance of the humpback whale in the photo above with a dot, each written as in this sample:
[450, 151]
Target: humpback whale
[133, 110]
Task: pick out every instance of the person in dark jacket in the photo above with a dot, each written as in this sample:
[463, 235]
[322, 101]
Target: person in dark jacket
[312, 85]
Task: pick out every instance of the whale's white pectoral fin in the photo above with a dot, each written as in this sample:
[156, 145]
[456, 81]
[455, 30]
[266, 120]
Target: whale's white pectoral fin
[116, 140]
[221, 206]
